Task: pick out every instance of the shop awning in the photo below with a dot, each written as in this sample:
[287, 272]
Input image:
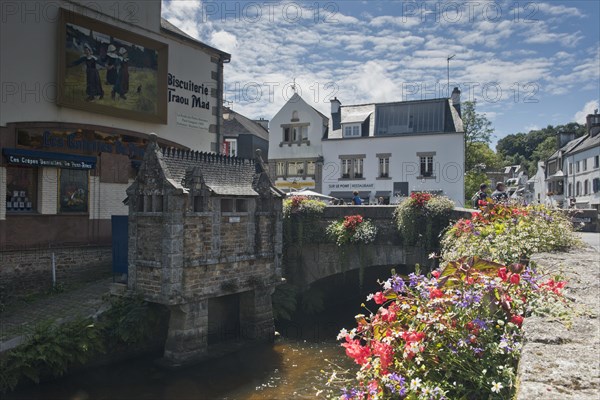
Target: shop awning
[32, 158]
[383, 193]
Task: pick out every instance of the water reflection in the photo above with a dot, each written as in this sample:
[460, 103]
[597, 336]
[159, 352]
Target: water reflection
[288, 369]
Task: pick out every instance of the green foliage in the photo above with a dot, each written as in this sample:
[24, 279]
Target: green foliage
[522, 148]
[51, 349]
[478, 130]
[303, 206]
[419, 222]
[352, 229]
[284, 301]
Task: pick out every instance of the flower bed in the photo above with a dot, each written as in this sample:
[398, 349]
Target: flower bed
[456, 333]
[302, 205]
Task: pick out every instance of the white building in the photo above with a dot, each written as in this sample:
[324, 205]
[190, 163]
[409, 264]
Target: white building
[582, 163]
[295, 151]
[390, 150]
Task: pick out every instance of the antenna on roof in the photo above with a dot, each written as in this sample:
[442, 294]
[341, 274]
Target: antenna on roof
[448, 60]
[294, 86]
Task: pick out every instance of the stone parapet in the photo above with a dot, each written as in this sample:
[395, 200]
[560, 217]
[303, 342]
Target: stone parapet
[561, 362]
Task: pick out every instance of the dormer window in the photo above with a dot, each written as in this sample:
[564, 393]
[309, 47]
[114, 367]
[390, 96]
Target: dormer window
[352, 130]
[295, 133]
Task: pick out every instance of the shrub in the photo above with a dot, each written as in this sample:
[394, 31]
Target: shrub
[508, 233]
[352, 229]
[302, 205]
[420, 216]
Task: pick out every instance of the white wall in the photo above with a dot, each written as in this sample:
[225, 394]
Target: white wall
[47, 195]
[28, 69]
[404, 163]
[305, 114]
[106, 199]
[589, 175]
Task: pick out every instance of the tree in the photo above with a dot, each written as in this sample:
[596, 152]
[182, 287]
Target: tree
[478, 130]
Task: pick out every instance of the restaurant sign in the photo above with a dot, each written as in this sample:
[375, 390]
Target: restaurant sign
[32, 158]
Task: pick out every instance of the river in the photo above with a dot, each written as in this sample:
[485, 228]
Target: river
[295, 366]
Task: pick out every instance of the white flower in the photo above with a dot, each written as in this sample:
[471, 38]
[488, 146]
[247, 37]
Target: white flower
[342, 334]
[432, 255]
[496, 387]
[415, 383]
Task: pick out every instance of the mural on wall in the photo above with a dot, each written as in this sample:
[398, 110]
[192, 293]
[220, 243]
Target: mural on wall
[106, 69]
[73, 190]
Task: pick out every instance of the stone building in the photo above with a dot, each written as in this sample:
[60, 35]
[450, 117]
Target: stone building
[205, 240]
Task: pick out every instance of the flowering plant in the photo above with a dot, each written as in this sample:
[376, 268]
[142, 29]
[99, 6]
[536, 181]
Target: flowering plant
[352, 229]
[455, 334]
[419, 216]
[508, 233]
[302, 205]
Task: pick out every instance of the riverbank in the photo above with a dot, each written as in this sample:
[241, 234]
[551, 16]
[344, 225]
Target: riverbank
[561, 361]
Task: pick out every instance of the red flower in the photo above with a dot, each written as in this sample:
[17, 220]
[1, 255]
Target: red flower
[517, 320]
[515, 279]
[385, 352]
[436, 274]
[354, 350]
[502, 274]
[435, 293]
[379, 298]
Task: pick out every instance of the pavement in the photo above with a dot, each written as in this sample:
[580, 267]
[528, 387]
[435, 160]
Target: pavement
[20, 320]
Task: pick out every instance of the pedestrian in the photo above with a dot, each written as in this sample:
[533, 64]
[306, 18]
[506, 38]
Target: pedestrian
[380, 201]
[480, 198]
[356, 200]
[500, 195]
[93, 84]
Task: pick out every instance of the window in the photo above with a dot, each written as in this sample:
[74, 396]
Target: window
[310, 167]
[597, 162]
[596, 185]
[426, 166]
[577, 167]
[570, 192]
[234, 205]
[571, 168]
[230, 147]
[280, 168]
[21, 189]
[295, 168]
[578, 189]
[352, 166]
[295, 133]
[73, 191]
[384, 166]
[352, 130]
[585, 164]
[586, 187]
[295, 116]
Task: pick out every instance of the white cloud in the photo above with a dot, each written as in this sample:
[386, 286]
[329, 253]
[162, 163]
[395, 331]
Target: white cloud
[588, 108]
[557, 10]
[224, 41]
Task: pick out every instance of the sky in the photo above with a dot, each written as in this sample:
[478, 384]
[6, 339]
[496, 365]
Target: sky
[527, 64]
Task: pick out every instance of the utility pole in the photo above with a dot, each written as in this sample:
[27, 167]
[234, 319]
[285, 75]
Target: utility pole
[448, 60]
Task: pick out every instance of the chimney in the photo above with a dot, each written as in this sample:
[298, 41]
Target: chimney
[336, 114]
[263, 122]
[593, 123]
[455, 97]
[564, 138]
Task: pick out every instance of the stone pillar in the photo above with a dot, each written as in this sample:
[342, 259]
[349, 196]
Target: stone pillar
[187, 340]
[256, 314]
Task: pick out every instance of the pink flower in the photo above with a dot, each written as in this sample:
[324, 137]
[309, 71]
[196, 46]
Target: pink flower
[515, 279]
[354, 350]
[517, 320]
[502, 274]
[385, 352]
[379, 298]
[436, 274]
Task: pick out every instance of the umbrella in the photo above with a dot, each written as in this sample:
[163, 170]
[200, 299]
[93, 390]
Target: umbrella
[309, 193]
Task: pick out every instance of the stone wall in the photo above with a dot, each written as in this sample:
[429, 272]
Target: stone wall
[559, 361]
[28, 272]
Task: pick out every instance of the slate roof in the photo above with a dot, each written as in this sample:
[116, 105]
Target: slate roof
[224, 176]
[242, 125]
[568, 147]
[588, 142]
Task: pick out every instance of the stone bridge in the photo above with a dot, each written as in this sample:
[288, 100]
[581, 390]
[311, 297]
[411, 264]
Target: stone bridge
[309, 256]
